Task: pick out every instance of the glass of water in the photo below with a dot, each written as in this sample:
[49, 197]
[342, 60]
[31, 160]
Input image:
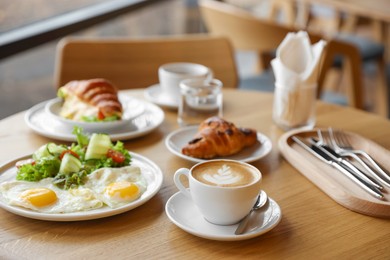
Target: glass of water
[200, 99]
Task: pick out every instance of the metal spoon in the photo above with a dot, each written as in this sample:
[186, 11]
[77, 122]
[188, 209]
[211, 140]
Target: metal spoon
[260, 202]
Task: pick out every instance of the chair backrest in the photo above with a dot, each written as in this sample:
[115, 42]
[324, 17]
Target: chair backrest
[314, 17]
[248, 32]
[286, 8]
[134, 63]
[245, 30]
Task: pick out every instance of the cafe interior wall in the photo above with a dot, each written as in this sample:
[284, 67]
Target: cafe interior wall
[27, 77]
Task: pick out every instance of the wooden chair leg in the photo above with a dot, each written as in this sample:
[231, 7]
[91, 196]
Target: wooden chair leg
[263, 61]
[354, 66]
[353, 63]
[350, 24]
[261, 64]
[381, 91]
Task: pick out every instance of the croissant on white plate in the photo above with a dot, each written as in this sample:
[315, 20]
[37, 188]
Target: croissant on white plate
[90, 100]
[218, 137]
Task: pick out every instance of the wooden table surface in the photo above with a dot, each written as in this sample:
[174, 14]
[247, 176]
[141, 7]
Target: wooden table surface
[313, 225]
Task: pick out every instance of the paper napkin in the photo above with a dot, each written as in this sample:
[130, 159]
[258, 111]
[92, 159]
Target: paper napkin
[296, 68]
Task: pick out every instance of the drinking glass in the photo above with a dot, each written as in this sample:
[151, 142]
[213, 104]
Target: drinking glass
[200, 99]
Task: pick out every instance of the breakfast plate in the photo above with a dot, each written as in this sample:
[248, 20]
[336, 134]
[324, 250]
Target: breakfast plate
[156, 95]
[184, 214]
[176, 140]
[42, 123]
[132, 108]
[149, 169]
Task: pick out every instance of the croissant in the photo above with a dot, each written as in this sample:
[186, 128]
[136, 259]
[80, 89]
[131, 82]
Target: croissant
[90, 98]
[218, 137]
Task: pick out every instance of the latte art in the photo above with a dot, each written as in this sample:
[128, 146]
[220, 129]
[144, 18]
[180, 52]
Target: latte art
[224, 175]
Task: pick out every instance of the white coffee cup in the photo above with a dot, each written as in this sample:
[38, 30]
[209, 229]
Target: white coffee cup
[171, 74]
[223, 190]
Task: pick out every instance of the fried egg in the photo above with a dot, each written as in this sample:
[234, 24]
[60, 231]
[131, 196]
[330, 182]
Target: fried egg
[44, 196]
[117, 186]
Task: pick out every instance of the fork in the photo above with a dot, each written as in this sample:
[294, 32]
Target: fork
[345, 161]
[341, 144]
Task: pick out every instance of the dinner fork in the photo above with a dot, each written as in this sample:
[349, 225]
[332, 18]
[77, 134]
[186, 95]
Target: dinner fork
[342, 145]
[344, 161]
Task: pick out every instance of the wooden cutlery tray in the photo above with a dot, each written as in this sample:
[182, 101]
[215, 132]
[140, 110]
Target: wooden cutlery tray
[331, 181]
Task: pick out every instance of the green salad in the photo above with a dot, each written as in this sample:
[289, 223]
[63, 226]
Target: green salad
[69, 165]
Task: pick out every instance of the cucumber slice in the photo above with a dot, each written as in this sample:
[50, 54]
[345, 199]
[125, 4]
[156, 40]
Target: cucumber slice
[41, 152]
[98, 146]
[54, 149]
[70, 164]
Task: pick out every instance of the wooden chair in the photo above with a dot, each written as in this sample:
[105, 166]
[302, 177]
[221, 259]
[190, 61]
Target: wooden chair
[245, 31]
[134, 63]
[248, 32]
[341, 26]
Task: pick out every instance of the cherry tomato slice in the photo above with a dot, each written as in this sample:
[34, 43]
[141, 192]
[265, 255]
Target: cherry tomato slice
[116, 156]
[100, 115]
[69, 151]
[19, 164]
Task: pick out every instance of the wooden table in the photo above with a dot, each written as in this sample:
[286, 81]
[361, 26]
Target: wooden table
[312, 225]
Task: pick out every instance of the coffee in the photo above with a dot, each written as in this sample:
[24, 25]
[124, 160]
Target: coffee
[224, 191]
[225, 174]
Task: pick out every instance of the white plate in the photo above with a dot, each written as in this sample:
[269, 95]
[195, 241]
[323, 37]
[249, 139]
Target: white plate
[149, 169]
[156, 95]
[176, 140]
[132, 108]
[40, 122]
[184, 214]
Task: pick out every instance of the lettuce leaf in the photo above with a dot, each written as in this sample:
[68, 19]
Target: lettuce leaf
[46, 167]
[82, 139]
[73, 180]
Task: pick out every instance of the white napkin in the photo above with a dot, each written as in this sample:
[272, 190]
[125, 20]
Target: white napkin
[296, 68]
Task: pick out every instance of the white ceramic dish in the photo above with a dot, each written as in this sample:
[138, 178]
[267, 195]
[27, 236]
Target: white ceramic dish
[156, 95]
[184, 214]
[40, 122]
[132, 108]
[149, 169]
[176, 140]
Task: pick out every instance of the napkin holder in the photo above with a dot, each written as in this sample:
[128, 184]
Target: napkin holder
[296, 68]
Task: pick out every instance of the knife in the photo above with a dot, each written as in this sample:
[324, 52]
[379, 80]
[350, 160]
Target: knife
[318, 153]
[336, 157]
[384, 180]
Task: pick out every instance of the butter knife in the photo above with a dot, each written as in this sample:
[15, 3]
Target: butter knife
[325, 158]
[336, 157]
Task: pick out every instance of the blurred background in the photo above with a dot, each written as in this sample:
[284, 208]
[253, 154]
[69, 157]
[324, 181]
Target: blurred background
[26, 77]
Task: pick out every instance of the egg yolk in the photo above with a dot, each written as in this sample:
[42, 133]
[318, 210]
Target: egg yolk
[123, 190]
[40, 197]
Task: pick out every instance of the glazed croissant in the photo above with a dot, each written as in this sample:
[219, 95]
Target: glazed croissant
[90, 98]
[218, 137]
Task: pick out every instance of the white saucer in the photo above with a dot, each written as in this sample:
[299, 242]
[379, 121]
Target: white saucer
[184, 214]
[176, 140]
[44, 124]
[154, 94]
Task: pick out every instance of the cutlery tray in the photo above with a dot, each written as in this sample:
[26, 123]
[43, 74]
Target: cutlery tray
[331, 181]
